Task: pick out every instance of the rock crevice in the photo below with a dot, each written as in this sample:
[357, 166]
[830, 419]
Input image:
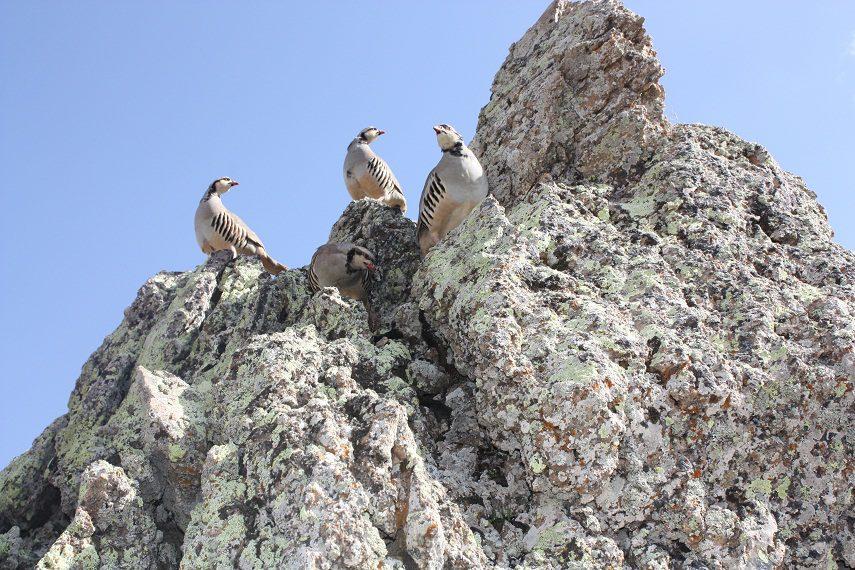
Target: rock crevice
[638, 353]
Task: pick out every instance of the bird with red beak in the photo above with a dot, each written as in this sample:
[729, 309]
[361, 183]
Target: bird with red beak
[345, 266]
[217, 228]
[366, 175]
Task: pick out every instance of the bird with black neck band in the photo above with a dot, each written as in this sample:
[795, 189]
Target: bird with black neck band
[455, 186]
[366, 175]
[219, 229]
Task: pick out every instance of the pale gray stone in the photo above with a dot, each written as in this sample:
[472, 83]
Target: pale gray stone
[638, 353]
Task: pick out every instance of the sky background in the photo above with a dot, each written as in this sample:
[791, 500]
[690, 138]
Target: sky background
[115, 117]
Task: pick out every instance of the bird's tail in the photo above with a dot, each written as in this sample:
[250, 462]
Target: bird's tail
[271, 265]
[396, 199]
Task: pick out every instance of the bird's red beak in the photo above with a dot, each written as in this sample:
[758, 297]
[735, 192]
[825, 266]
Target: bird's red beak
[436, 130]
[235, 183]
[370, 266]
[381, 133]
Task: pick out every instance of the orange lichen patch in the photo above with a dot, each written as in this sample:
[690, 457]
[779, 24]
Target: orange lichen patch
[187, 475]
[696, 474]
[402, 509]
[667, 371]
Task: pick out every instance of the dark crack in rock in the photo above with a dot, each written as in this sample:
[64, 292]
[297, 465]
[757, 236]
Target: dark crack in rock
[639, 353]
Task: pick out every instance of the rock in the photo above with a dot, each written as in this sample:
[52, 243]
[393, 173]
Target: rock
[159, 434]
[391, 237]
[10, 548]
[578, 98]
[110, 529]
[29, 502]
[328, 472]
[638, 353]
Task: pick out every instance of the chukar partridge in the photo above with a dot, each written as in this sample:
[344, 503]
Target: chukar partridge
[217, 228]
[366, 175]
[454, 187]
[345, 266]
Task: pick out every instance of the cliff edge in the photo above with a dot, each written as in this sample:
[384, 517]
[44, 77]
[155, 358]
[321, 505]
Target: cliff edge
[639, 352]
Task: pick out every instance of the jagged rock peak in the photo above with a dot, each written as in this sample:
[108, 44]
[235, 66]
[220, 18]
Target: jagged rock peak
[640, 353]
[577, 99]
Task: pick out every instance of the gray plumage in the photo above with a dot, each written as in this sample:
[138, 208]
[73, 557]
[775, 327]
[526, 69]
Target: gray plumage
[454, 187]
[217, 228]
[366, 175]
[345, 266]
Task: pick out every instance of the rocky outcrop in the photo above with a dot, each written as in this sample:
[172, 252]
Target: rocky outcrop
[639, 353]
[111, 527]
[577, 99]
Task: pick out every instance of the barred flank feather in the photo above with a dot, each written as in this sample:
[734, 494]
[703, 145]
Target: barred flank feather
[435, 192]
[313, 280]
[229, 229]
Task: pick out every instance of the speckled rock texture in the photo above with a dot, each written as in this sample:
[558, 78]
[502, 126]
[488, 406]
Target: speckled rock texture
[577, 99]
[638, 353]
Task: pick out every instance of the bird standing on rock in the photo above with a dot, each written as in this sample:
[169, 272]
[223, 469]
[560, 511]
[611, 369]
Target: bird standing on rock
[345, 266]
[366, 175]
[218, 229]
[453, 189]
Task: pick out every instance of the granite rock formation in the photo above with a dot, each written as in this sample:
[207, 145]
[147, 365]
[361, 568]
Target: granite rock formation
[639, 352]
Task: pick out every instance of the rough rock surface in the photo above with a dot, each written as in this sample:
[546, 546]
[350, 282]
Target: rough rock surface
[577, 99]
[640, 353]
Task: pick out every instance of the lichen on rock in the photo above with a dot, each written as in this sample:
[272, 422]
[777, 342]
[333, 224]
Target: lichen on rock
[638, 353]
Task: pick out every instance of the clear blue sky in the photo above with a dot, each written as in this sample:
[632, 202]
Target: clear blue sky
[115, 116]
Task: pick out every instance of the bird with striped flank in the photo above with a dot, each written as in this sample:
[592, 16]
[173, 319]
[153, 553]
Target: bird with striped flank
[454, 188]
[366, 175]
[345, 266]
[217, 228]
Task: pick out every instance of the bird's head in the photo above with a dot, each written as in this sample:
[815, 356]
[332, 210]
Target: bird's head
[222, 185]
[369, 134]
[447, 137]
[359, 259]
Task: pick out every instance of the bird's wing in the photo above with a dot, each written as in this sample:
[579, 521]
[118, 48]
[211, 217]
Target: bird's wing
[234, 230]
[382, 176]
[320, 265]
[313, 277]
[433, 194]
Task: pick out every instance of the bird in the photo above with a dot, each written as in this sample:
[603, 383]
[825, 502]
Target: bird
[455, 186]
[217, 228]
[343, 265]
[366, 175]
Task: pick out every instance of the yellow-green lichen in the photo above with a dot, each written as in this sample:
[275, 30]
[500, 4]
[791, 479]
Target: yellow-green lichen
[176, 453]
[641, 206]
[758, 486]
[782, 488]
